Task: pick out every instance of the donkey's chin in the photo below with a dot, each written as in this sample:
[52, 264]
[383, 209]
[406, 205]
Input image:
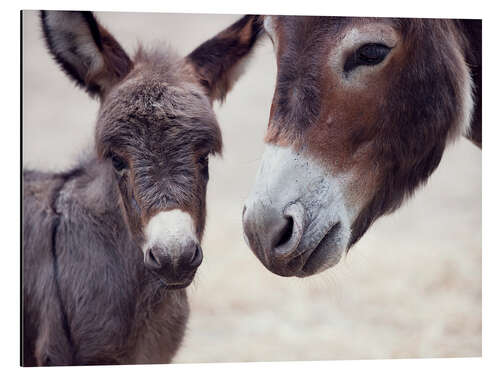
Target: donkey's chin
[326, 254]
[169, 283]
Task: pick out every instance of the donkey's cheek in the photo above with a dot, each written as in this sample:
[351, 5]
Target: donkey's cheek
[131, 209]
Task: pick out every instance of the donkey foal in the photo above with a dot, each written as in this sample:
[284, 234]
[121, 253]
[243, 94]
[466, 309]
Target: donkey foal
[109, 246]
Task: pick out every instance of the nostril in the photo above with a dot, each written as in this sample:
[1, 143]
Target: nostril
[151, 260]
[197, 257]
[288, 234]
[274, 234]
[285, 233]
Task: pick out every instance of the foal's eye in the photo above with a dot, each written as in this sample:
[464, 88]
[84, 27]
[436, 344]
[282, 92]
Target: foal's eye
[119, 164]
[203, 162]
[368, 54]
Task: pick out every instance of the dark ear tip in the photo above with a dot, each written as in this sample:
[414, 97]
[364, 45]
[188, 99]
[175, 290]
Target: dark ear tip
[42, 15]
[90, 20]
[215, 59]
[94, 28]
[50, 31]
[65, 31]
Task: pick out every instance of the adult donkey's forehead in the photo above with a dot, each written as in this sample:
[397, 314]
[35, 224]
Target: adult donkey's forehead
[303, 48]
[326, 25]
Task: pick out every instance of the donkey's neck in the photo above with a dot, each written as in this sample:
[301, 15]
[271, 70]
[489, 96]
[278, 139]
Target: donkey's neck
[92, 190]
[94, 185]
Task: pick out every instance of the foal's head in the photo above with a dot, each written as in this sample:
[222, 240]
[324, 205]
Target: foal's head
[155, 128]
[362, 111]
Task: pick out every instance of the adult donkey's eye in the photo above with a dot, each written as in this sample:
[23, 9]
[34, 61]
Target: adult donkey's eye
[368, 54]
[119, 164]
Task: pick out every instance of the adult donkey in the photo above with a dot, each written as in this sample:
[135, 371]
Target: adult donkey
[362, 112]
[109, 246]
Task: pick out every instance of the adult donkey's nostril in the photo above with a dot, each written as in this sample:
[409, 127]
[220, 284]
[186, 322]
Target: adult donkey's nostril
[274, 235]
[285, 234]
[288, 237]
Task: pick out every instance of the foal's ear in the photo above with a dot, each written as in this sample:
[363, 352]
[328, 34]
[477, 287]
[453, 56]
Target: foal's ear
[85, 50]
[218, 61]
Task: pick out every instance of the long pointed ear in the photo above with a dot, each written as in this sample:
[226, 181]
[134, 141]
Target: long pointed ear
[85, 50]
[218, 61]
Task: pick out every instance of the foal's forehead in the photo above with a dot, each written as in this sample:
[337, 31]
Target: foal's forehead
[154, 98]
[153, 102]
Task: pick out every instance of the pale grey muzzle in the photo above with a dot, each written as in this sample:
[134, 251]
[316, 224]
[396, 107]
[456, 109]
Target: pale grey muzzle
[296, 220]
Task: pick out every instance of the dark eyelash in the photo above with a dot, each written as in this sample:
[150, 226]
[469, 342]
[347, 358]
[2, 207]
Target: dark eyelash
[368, 54]
[203, 161]
[118, 162]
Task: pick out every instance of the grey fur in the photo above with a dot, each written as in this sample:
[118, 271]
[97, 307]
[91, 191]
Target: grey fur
[87, 296]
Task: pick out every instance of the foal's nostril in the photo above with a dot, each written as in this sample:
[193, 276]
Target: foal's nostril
[151, 260]
[190, 259]
[197, 257]
[285, 234]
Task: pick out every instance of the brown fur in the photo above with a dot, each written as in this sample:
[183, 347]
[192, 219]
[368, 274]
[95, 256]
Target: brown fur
[392, 132]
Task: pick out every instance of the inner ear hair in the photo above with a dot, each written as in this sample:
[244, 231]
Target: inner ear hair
[84, 50]
[218, 61]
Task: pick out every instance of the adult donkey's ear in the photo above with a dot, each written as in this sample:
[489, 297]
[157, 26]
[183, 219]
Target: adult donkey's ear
[85, 50]
[218, 61]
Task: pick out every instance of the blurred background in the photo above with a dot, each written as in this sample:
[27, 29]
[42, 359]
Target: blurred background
[410, 288]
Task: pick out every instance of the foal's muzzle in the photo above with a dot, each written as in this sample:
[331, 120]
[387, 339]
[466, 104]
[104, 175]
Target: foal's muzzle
[175, 271]
[172, 249]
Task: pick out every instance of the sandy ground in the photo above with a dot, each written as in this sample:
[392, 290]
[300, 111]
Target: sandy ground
[410, 288]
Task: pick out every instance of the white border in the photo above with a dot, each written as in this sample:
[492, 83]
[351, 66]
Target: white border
[9, 340]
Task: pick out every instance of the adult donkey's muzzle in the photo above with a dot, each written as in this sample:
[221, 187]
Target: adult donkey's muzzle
[296, 219]
[274, 235]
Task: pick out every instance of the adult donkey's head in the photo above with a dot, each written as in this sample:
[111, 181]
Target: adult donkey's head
[362, 111]
[155, 128]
